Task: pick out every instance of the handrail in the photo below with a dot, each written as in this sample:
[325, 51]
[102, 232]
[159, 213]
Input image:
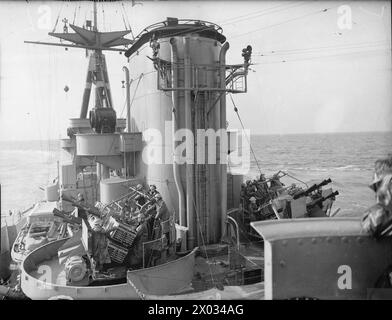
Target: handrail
[232, 220]
[180, 21]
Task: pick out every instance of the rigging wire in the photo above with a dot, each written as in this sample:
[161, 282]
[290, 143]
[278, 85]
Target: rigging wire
[202, 28]
[126, 17]
[323, 56]
[249, 14]
[309, 50]
[74, 17]
[263, 13]
[286, 21]
[291, 176]
[103, 17]
[122, 15]
[134, 94]
[243, 128]
[78, 12]
[57, 20]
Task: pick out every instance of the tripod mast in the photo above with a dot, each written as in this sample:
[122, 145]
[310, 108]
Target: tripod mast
[91, 39]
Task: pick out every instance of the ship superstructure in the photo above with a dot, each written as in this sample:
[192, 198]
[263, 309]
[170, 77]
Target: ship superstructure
[179, 105]
[191, 80]
[183, 87]
[82, 175]
[88, 167]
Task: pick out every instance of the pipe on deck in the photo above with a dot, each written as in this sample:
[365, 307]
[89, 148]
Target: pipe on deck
[176, 168]
[128, 95]
[190, 209]
[223, 153]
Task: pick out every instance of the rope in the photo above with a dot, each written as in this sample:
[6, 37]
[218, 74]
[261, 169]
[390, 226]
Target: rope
[122, 14]
[57, 20]
[243, 128]
[285, 21]
[289, 175]
[103, 17]
[139, 293]
[126, 16]
[74, 17]
[133, 98]
[125, 102]
[78, 12]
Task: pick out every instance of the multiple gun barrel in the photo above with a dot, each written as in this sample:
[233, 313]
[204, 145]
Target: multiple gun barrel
[320, 200]
[312, 188]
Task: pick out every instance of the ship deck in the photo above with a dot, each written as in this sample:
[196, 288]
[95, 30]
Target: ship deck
[50, 271]
[208, 273]
[214, 270]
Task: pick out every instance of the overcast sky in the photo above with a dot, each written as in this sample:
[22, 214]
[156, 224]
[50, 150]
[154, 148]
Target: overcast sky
[310, 74]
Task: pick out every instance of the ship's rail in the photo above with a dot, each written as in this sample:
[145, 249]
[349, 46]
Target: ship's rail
[40, 271]
[15, 218]
[205, 77]
[175, 22]
[174, 27]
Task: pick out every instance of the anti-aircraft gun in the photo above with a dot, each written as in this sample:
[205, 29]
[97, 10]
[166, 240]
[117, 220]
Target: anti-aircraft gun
[66, 217]
[311, 189]
[319, 201]
[83, 210]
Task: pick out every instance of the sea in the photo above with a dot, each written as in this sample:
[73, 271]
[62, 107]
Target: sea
[347, 158]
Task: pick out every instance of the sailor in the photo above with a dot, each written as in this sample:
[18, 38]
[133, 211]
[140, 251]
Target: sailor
[162, 210]
[125, 210]
[260, 195]
[161, 215]
[262, 181]
[135, 258]
[155, 46]
[140, 188]
[253, 209]
[152, 191]
[275, 184]
[246, 53]
[140, 198]
[133, 212]
[146, 226]
[65, 27]
[249, 192]
[243, 195]
[80, 198]
[100, 251]
[250, 189]
[377, 220]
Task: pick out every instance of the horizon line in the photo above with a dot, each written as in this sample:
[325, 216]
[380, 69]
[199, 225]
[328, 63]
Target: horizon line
[252, 134]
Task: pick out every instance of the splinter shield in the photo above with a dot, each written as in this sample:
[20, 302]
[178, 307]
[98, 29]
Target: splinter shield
[321, 258]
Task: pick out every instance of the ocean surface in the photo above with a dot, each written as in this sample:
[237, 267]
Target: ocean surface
[346, 158]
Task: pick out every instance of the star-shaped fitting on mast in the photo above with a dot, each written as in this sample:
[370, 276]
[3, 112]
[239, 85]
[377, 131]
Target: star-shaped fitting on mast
[95, 39]
[90, 39]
